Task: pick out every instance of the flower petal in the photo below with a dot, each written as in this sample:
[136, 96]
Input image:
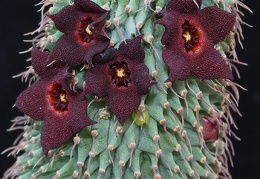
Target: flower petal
[184, 6]
[217, 23]
[88, 6]
[78, 112]
[97, 81]
[132, 49]
[55, 131]
[210, 65]
[178, 65]
[32, 101]
[65, 20]
[123, 102]
[172, 32]
[140, 77]
[43, 64]
[70, 51]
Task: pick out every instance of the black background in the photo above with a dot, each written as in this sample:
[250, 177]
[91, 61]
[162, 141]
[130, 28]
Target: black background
[19, 17]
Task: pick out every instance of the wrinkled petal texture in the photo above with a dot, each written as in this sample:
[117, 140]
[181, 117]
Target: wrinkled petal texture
[217, 23]
[51, 100]
[55, 131]
[71, 48]
[78, 112]
[32, 102]
[97, 81]
[184, 6]
[43, 65]
[122, 100]
[212, 25]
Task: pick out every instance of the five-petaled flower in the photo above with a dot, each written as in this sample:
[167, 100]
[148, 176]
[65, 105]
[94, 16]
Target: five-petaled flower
[210, 128]
[83, 26]
[189, 39]
[121, 77]
[52, 100]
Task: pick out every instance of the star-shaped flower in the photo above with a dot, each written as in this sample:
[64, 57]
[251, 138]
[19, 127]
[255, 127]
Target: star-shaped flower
[83, 26]
[121, 77]
[189, 39]
[51, 100]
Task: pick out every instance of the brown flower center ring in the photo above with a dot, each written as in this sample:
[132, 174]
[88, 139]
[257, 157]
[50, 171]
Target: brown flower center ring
[85, 34]
[120, 73]
[57, 98]
[190, 36]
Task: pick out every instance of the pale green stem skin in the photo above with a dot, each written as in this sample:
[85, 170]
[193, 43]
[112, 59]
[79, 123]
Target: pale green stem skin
[169, 145]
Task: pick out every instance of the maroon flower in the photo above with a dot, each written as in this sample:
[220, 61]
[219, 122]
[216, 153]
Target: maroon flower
[121, 77]
[51, 100]
[189, 38]
[210, 128]
[83, 26]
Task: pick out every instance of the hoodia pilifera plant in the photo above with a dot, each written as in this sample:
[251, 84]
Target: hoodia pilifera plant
[130, 89]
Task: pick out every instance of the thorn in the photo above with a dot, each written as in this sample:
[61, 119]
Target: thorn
[154, 75]
[121, 165]
[92, 101]
[131, 146]
[39, 161]
[75, 174]
[156, 139]
[137, 174]
[128, 9]
[87, 172]
[150, 40]
[169, 85]
[167, 106]
[163, 123]
[184, 94]
[76, 141]
[80, 166]
[138, 26]
[41, 170]
[94, 134]
[184, 135]
[101, 171]
[180, 112]
[119, 130]
[159, 153]
[117, 23]
[154, 168]
[109, 149]
[57, 175]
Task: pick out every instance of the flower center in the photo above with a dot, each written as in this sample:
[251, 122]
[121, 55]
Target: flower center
[85, 34]
[57, 98]
[190, 35]
[120, 73]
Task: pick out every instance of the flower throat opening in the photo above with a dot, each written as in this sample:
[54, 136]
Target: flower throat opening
[120, 73]
[190, 36]
[57, 98]
[85, 34]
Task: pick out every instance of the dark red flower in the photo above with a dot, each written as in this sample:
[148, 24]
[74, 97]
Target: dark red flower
[121, 77]
[51, 100]
[189, 38]
[210, 128]
[83, 26]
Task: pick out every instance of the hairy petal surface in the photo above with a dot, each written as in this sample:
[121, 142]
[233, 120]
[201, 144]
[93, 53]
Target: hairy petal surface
[120, 77]
[84, 35]
[189, 38]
